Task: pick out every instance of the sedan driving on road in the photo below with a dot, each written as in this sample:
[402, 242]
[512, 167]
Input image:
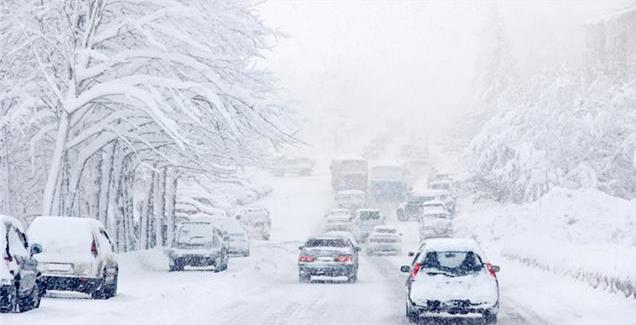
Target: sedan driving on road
[365, 220]
[198, 243]
[384, 240]
[328, 256]
[451, 279]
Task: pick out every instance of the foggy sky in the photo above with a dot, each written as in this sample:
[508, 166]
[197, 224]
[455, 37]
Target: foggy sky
[359, 62]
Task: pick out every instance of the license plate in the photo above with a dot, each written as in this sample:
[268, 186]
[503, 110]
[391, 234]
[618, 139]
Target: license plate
[325, 259]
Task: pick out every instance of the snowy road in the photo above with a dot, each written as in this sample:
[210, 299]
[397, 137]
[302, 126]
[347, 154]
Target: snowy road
[263, 288]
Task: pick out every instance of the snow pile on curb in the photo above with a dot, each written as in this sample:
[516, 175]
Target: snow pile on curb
[586, 235]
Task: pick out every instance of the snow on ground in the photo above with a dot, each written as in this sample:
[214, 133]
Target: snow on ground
[574, 250]
[264, 288]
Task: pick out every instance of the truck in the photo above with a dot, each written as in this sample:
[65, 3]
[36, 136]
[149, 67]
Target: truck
[388, 182]
[349, 174]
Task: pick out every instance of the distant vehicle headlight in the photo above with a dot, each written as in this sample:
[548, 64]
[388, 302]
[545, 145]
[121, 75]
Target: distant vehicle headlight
[83, 268]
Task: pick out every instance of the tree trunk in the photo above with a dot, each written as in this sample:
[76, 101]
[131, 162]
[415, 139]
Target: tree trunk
[55, 168]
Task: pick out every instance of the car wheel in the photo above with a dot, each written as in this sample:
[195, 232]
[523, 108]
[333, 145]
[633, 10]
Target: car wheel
[8, 299]
[490, 319]
[304, 278]
[175, 265]
[101, 291]
[353, 278]
[31, 301]
[411, 317]
[112, 289]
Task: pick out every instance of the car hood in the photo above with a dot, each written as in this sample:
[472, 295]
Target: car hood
[477, 288]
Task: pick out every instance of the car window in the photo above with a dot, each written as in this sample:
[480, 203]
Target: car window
[454, 262]
[17, 243]
[104, 242]
[337, 242]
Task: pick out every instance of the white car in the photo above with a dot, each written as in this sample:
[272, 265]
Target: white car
[434, 223]
[19, 278]
[451, 279]
[351, 199]
[384, 240]
[257, 221]
[77, 255]
[338, 223]
[365, 221]
[237, 237]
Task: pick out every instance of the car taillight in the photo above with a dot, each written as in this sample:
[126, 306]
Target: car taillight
[416, 269]
[344, 258]
[94, 248]
[306, 258]
[491, 270]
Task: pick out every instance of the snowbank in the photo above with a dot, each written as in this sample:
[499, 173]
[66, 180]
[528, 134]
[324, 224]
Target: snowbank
[584, 234]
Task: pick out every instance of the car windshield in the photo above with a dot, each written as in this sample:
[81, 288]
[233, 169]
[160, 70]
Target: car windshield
[421, 198]
[452, 263]
[327, 242]
[386, 230]
[440, 186]
[353, 166]
[197, 233]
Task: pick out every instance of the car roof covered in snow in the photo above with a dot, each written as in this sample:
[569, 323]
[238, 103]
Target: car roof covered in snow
[432, 202]
[348, 157]
[451, 245]
[434, 211]
[385, 228]
[350, 192]
[388, 163]
[367, 210]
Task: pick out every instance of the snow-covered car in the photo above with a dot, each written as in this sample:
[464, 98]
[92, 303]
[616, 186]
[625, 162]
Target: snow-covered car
[351, 199]
[328, 256]
[452, 279]
[77, 255]
[434, 204]
[384, 240]
[257, 222]
[296, 166]
[237, 237]
[412, 208]
[365, 221]
[198, 243]
[338, 222]
[435, 223]
[19, 277]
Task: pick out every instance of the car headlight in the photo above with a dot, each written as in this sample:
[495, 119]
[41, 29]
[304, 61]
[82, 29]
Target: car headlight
[83, 268]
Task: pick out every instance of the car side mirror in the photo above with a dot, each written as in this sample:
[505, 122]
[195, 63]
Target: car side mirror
[36, 249]
[411, 254]
[496, 268]
[405, 269]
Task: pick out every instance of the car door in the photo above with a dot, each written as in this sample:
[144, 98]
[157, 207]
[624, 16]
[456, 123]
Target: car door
[26, 264]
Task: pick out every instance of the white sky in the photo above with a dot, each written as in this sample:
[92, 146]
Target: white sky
[366, 60]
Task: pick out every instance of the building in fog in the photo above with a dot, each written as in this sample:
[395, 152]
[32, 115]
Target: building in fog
[611, 43]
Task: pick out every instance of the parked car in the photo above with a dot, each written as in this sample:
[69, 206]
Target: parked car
[365, 220]
[78, 255]
[384, 240]
[257, 222]
[452, 278]
[351, 199]
[338, 222]
[435, 223]
[20, 283]
[199, 243]
[237, 237]
[296, 166]
[328, 256]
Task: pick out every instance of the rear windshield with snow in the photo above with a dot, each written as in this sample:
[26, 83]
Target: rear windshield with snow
[452, 262]
[195, 233]
[336, 242]
[61, 235]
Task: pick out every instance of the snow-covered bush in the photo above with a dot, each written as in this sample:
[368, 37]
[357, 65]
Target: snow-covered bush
[559, 130]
